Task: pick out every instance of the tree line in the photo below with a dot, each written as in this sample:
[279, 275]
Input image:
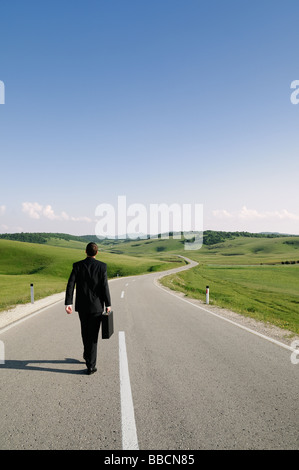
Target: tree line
[210, 237]
[43, 237]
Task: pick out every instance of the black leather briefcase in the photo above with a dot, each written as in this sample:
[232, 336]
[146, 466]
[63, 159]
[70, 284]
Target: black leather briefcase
[107, 325]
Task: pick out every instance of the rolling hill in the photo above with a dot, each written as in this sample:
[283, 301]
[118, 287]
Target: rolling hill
[48, 266]
[253, 274]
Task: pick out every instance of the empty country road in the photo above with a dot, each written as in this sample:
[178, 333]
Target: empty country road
[172, 377]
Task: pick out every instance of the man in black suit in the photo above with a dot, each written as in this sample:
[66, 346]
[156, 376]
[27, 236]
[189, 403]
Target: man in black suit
[92, 296]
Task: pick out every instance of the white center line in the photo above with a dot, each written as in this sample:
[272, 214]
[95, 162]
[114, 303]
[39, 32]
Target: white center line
[129, 433]
[122, 294]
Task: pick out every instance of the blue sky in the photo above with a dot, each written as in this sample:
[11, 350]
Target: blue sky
[163, 101]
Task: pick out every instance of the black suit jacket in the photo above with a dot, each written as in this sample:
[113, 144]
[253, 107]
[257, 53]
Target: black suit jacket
[92, 290]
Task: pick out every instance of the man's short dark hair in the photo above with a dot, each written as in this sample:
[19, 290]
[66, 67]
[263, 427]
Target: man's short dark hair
[91, 249]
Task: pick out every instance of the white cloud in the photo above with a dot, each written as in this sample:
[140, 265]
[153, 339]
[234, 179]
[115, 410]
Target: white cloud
[81, 219]
[250, 214]
[287, 215]
[254, 214]
[65, 216]
[222, 214]
[36, 210]
[33, 209]
[2, 210]
[49, 213]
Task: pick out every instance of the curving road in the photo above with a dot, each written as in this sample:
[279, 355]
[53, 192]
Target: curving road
[173, 376]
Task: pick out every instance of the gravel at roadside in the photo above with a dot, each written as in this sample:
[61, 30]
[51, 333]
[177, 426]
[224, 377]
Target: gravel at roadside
[18, 312]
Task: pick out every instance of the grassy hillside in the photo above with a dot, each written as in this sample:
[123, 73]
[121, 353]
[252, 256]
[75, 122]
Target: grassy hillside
[256, 277]
[267, 293]
[249, 251]
[251, 275]
[48, 268]
[153, 247]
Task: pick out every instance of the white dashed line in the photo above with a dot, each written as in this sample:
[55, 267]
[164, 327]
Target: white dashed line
[129, 433]
[122, 294]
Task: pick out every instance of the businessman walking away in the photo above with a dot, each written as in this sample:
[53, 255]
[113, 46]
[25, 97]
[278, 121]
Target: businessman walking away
[92, 297]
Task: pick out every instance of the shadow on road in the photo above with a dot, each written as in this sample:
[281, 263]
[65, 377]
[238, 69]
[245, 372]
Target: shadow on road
[37, 365]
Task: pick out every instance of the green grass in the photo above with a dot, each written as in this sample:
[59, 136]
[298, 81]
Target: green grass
[48, 268]
[267, 293]
[255, 277]
[152, 247]
[249, 251]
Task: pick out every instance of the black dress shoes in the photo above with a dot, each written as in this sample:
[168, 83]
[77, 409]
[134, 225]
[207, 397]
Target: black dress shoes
[91, 371]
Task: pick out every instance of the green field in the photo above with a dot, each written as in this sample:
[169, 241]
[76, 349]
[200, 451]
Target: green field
[252, 275]
[48, 266]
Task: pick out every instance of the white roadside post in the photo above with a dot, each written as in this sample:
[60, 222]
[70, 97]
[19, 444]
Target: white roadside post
[32, 293]
[207, 294]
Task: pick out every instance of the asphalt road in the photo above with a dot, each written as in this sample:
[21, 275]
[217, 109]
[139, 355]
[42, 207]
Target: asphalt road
[172, 376]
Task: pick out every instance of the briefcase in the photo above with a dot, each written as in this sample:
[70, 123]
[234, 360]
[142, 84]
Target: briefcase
[107, 325]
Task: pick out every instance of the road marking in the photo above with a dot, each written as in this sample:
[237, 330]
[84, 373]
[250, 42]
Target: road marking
[129, 433]
[122, 294]
[268, 338]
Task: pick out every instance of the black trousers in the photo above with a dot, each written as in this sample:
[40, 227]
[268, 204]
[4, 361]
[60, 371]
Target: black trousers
[90, 327]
